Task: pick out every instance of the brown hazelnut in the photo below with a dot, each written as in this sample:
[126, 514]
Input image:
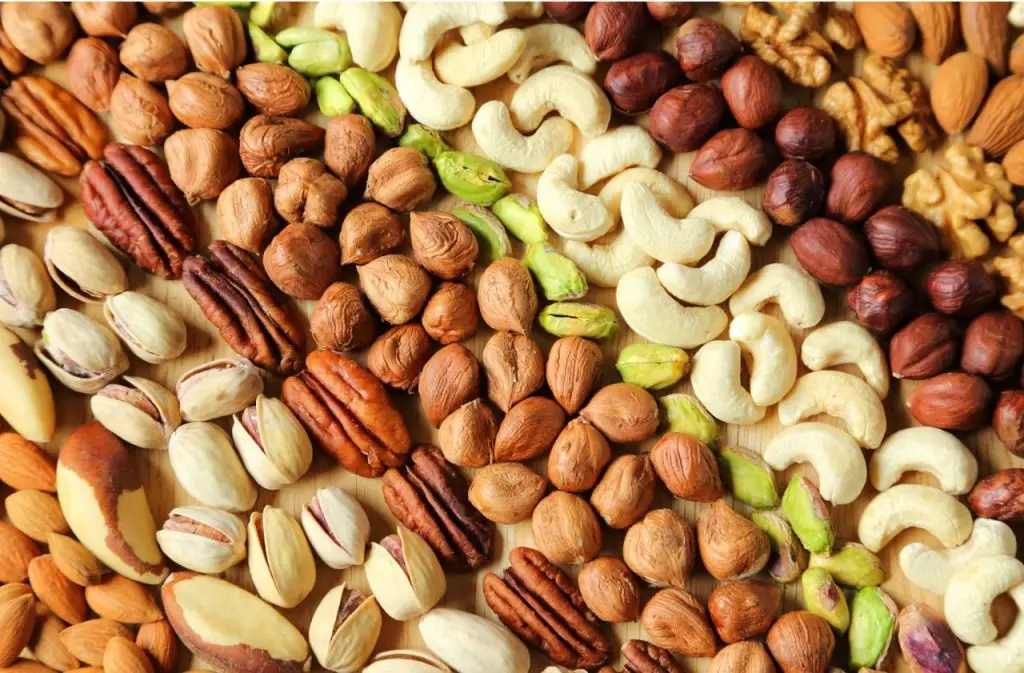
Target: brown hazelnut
[684, 118]
[731, 546]
[245, 213]
[368, 231]
[400, 179]
[341, 321]
[396, 286]
[43, 31]
[105, 19]
[625, 491]
[829, 251]
[565, 529]
[613, 30]
[610, 590]
[307, 193]
[993, 345]
[302, 261]
[450, 314]
[267, 143]
[466, 437]
[514, 365]
[748, 656]
[953, 401]
[858, 186]
[153, 52]
[528, 430]
[139, 112]
[1000, 495]
[442, 244]
[793, 193]
[166, 8]
[202, 162]
[506, 492]
[705, 48]
[215, 38]
[93, 72]
[507, 297]
[449, 379]
[635, 83]
[924, 347]
[881, 301]
[801, 642]
[901, 240]
[806, 133]
[573, 369]
[625, 413]
[201, 100]
[671, 13]
[567, 12]
[687, 467]
[1008, 420]
[675, 619]
[350, 147]
[961, 288]
[732, 160]
[398, 356]
[753, 92]
[577, 457]
[273, 89]
[744, 609]
[661, 548]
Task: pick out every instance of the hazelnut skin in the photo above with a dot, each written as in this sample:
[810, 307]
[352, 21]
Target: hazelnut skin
[341, 320]
[924, 347]
[350, 147]
[832, 253]
[683, 118]
[858, 186]
[793, 193]
[881, 301]
[368, 231]
[961, 288]
[397, 356]
[302, 261]
[744, 609]
[1008, 420]
[671, 13]
[993, 345]
[451, 314]
[901, 240]
[635, 83]
[567, 12]
[613, 30]
[753, 92]
[733, 160]
[705, 48]
[806, 133]
[955, 401]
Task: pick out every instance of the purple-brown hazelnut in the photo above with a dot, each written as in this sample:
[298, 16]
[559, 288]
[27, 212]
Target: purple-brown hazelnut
[806, 133]
[793, 193]
[635, 83]
[567, 12]
[705, 48]
[881, 301]
[613, 30]
[753, 92]
[671, 13]
[302, 261]
[901, 239]
[961, 288]
[685, 117]
[858, 186]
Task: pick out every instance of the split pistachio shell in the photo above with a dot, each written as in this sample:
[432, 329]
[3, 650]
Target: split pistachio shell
[206, 465]
[152, 331]
[488, 229]
[82, 266]
[685, 414]
[558, 276]
[406, 661]
[522, 217]
[473, 644]
[26, 293]
[203, 539]
[404, 575]
[280, 561]
[337, 527]
[143, 412]
[218, 388]
[27, 192]
[79, 352]
[272, 443]
[27, 402]
[344, 629]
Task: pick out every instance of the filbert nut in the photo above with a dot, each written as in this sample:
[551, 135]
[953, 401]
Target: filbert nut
[154, 53]
[753, 92]
[450, 314]
[573, 369]
[635, 83]
[1008, 420]
[993, 345]
[302, 261]
[202, 100]
[661, 548]
[881, 301]
[705, 48]
[924, 347]
[341, 320]
[625, 491]
[858, 186]
[801, 643]
[566, 12]
[397, 356]
[245, 213]
[514, 364]
[1000, 495]
[400, 179]
[349, 147]
[396, 286]
[466, 437]
[449, 379]
[613, 30]
[368, 231]
[671, 13]
[806, 133]
[901, 240]
[731, 547]
[676, 620]
[831, 252]
[578, 456]
[961, 288]
[93, 71]
[954, 401]
[744, 609]
[793, 192]
[610, 590]
[687, 467]
[307, 193]
[565, 529]
[442, 244]
[683, 118]
[507, 296]
[529, 429]
[732, 160]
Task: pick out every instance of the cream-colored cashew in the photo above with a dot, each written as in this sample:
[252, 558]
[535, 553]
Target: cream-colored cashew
[731, 213]
[470, 65]
[771, 355]
[500, 141]
[912, 506]
[715, 281]
[573, 214]
[548, 43]
[431, 102]
[931, 569]
[565, 90]
[924, 449]
[847, 343]
[796, 293]
[371, 28]
[839, 395]
[475, 33]
[832, 453]
[1005, 655]
[671, 194]
[1016, 15]
[716, 383]
[663, 237]
[656, 316]
[604, 264]
[615, 151]
[971, 591]
[426, 22]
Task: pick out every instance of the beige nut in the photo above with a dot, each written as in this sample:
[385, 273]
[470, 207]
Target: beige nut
[29, 409]
[218, 388]
[147, 327]
[142, 412]
[404, 575]
[280, 561]
[203, 539]
[344, 629]
[206, 466]
[81, 265]
[79, 352]
[337, 527]
[274, 446]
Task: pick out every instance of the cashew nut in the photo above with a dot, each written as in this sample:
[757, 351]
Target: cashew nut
[548, 43]
[426, 22]
[971, 591]
[562, 89]
[613, 152]
[431, 102]
[931, 569]
[772, 355]
[847, 343]
[731, 213]
[840, 395]
[671, 194]
[1005, 655]
[604, 264]
[1016, 14]
[912, 506]
[924, 449]
[500, 141]
[796, 293]
[716, 280]
[662, 236]
[656, 316]
[716, 384]
[471, 65]
[371, 28]
[573, 214]
[832, 453]
[475, 33]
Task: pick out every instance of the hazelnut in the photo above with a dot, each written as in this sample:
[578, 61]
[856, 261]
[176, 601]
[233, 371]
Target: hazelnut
[341, 321]
[400, 179]
[1008, 420]
[687, 467]
[743, 610]
[398, 356]
[961, 288]
[139, 112]
[993, 345]
[449, 379]
[573, 368]
[753, 92]
[215, 38]
[105, 19]
[267, 143]
[880, 301]
[635, 83]
[953, 401]
[858, 186]
[924, 347]
[442, 244]
[93, 72]
[466, 437]
[748, 656]
[832, 253]
[705, 48]
[801, 642]
[671, 13]
[685, 117]
[793, 193]
[577, 457]
[42, 31]
[732, 160]
[806, 133]
[396, 286]
[901, 240]
[514, 365]
[731, 546]
[1000, 495]
[506, 492]
[201, 100]
[307, 193]
[245, 213]
[302, 261]
[625, 413]
[567, 12]
[273, 89]
[153, 53]
[450, 314]
[166, 8]
[675, 619]
[368, 231]
[613, 30]
[202, 162]
[565, 529]
[507, 297]
[350, 147]
[528, 429]
[626, 491]
[610, 590]
[661, 548]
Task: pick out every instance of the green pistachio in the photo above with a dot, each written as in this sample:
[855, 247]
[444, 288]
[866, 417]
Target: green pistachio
[651, 366]
[293, 37]
[323, 57]
[266, 14]
[807, 513]
[558, 276]
[685, 414]
[789, 558]
[377, 99]
[823, 597]
[472, 177]
[491, 236]
[428, 141]
[750, 478]
[872, 626]
[331, 97]
[266, 50]
[854, 565]
[522, 217]
[568, 318]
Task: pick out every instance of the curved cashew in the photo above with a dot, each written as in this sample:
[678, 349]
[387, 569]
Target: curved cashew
[475, 33]
[911, 506]
[1005, 655]
[653, 314]
[796, 293]
[371, 28]
[604, 264]
[662, 236]
[432, 103]
[613, 152]
[671, 194]
[772, 355]
[832, 453]
[562, 89]
[500, 141]
[971, 591]
[716, 384]
[847, 343]
[840, 395]
[573, 214]
[924, 449]
[731, 213]
[715, 281]
[1016, 14]
[548, 43]
[426, 22]
[471, 65]
[931, 569]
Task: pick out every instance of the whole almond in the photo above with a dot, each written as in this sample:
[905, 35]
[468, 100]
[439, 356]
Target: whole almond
[122, 600]
[30, 666]
[35, 514]
[122, 655]
[18, 617]
[9, 592]
[1000, 124]
[573, 368]
[88, 640]
[64, 598]
[937, 24]
[958, 90]
[47, 647]
[157, 640]
[16, 551]
[74, 560]
[528, 429]
[1017, 56]
[1013, 164]
[24, 465]
[987, 31]
[888, 28]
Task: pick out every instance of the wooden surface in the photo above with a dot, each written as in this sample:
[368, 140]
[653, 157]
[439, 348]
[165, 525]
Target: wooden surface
[464, 589]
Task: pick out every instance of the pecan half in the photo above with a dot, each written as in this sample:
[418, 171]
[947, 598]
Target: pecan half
[640, 656]
[347, 411]
[133, 202]
[235, 295]
[51, 127]
[543, 606]
[430, 496]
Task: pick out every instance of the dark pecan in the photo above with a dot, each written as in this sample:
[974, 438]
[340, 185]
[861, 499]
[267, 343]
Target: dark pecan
[347, 411]
[544, 607]
[51, 127]
[267, 143]
[640, 656]
[431, 497]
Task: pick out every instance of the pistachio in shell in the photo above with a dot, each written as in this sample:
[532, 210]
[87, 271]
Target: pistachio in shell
[81, 265]
[139, 411]
[79, 352]
[26, 293]
[218, 388]
[151, 330]
[26, 191]
[274, 446]
[344, 629]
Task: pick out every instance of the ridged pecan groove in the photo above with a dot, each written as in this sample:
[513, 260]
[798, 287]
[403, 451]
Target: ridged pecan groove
[640, 656]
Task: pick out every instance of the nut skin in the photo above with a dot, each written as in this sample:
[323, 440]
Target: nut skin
[565, 529]
[528, 430]
[400, 179]
[961, 288]
[449, 379]
[687, 467]
[273, 89]
[675, 619]
[306, 192]
[245, 213]
[626, 490]
[1000, 495]
[265, 144]
[993, 345]
[578, 456]
[806, 133]
[302, 261]
[202, 100]
[732, 160]
[753, 92]
[507, 296]
[93, 71]
[154, 53]
[572, 370]
[567, 12]
[466, 437]
[880, 301]
[368, 231]
[442, 244]
[613, 30]
[514, 365]
[635, 83]
[661, 548]
[397, 356]
[623, 412]
[801, 643]
[506, 492]
[1008, 420]
[831, 252]
[744, 609]
[450, 314]
[341, 320]
[350, 147]
[705, 48]
[610, 590]
[685, 117]
[955, 401]
[140, 112]
[924, 347]
[901, 240]
[793, 193]
[731, 546]
[670, 13]
[858, 186]
[396, 286]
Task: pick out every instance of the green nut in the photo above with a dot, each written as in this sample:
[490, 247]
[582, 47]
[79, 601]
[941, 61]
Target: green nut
[472, 177]
[266, 50]
[807, 513]
[750, 478]
[789, 558]
[558, 276]
[323, 57]
[376, 98]
[428, 141]
[490, 235]
[568, 318]
[652, 366]
[686, 415]
[522, 217]
[293, 37]
[823, 597]
[331, 97]
[268, 14]
[872, 626]
[854, 565]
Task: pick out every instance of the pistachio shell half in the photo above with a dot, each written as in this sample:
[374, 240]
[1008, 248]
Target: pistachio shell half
[26, 293]
[344, 629]
[337, 527]
[404, 575]
[27, 192]
[204, 539]
[150, 329]
[280, 561]
[82, 266]
[406, 661]
[143, 412]
[272, 443]
[79, 352]
[218, 388]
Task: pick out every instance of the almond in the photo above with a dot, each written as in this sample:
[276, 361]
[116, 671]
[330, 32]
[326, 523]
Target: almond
[64, 598]
[1000, 124]
[35, 514]
[888, 28]
[122, 655]
[937, 24]
[157, 639]
[16, 550]
[122, 600]
[29, 666]
[1013, 164]
[9, 592]
[958, 90]
[987, 31]
[88, 640]
[1017, 56]
[74, 560]
[18, 617]
[25, 465]
[47, 647]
